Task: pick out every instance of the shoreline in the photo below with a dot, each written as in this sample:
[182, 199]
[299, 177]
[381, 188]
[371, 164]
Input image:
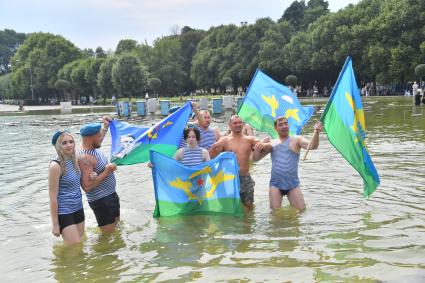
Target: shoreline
[12, 110]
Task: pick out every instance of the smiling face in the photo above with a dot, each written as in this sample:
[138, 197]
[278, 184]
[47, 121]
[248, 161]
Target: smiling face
[66, 144]
[235, 124]
[281, 126]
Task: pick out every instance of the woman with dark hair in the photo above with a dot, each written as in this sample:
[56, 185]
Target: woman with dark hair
[192, 154]
[66, 205]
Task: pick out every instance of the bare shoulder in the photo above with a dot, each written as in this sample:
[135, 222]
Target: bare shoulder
[54, 166]
[179, 154]
[205, 153]
[297, 140]
[85, 156]
[55, 170]
[86, 159]
[224, 138]
[251, 139]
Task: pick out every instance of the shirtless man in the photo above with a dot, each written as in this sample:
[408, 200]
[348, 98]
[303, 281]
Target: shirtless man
[242, 146]
[285, 154]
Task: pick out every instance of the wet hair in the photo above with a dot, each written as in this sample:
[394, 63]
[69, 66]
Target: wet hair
[279, 119]
[192, 129]
[61, 155]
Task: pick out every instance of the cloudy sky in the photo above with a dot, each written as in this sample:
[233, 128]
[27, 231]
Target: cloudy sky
[92, 23]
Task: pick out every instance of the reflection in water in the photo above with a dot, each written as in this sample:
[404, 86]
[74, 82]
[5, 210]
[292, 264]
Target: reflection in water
[193, 242]
[341, 237]
[93, 260]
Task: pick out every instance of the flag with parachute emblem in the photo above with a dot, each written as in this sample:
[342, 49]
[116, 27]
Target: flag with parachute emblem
[211, 187]
[344, 123]
[267, 100]
[163, 137]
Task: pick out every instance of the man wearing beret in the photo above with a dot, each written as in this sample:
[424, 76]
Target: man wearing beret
[100, 190]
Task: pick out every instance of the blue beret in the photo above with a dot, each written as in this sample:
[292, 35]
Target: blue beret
[57, 134]
[90, 129]
[173, 109]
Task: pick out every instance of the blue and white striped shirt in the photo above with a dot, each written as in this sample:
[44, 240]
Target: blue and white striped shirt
[69, 194]
[284, 174]
[207, 138]
[108, 185]
[192, 156]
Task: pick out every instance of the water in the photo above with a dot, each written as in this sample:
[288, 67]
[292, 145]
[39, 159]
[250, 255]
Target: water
[341, 237]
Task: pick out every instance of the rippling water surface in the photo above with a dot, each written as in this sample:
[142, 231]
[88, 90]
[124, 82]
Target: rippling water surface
[341, 237]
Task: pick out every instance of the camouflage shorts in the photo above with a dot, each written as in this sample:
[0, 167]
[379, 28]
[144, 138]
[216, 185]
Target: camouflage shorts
[247, 189]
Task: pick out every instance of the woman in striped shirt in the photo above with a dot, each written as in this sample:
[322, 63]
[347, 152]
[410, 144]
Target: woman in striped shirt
[192, 155]
[66, 206]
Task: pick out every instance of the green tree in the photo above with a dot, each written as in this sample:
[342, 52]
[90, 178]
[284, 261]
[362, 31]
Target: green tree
[5, 86]
[129, 76]
[91, 75]
[79, 80]
[100, 53]
[189, 40]
[291, 80]
[155, 85]
[420, 71]
[104, 79]
[39, 58]
[64, 86]
[9, 43]
[225, 83]
[167, 65]
[294, 14]
[125, 46]
[314, 10]
[271, 55]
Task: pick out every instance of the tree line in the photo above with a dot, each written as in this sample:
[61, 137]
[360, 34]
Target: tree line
[386, 39]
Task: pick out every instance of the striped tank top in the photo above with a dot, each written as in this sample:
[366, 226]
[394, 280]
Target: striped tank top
[207, 138]
[284, 175]
[192, 156]
[69, 194]
[105, 188]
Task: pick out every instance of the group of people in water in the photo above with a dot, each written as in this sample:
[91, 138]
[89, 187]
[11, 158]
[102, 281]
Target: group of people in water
[89, 169]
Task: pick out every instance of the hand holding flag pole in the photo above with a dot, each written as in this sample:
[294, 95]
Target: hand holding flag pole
[314, 139]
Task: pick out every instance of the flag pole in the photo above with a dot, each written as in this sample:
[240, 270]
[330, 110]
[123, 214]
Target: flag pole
[347, 60]
[309, 145]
